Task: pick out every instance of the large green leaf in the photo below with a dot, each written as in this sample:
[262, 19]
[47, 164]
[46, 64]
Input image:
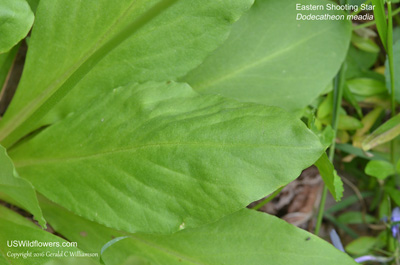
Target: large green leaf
[245, 237]
[158, 157]
[16, 229]
[93, 46]
[16, 19]
[17, 188]
[274, 59]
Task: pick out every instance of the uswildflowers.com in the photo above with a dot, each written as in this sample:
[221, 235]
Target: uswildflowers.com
[38, 244]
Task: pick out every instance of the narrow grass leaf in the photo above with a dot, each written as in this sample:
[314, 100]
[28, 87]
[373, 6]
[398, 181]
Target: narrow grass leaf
[396, 70]
[385, 133]
[380, 18]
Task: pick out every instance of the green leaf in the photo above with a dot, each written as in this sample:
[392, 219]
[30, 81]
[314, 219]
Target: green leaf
[15, 227]
[271, 58]
[90, 236]
[349, 123]
[17, 188]
[33, 4]
[143, 40]
[369, 120]
[158, 157]
[16, 19]
[330, 177]
[345, 122]
[245, 237]
[359, 62]
[394, 194]
[326, 106]
[355, 218]
[364, 44]
[134, 260]
[396, 70]
[349, 97]
[325, 136]
[366, 86]
[385, 133]
[379, 169]
[361, 245]
[380, 18]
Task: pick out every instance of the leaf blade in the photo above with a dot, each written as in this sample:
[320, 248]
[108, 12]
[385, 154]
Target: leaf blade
[16, 19]
[122, 47]
[165, 129]
[18, 188]
[197, 246]
[256, 63]
[380, 18]
[330, 177]
[379, 169]
[396, 67]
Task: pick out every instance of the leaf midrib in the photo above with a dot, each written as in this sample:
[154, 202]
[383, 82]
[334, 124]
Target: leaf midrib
[64, 76]
[32, 162]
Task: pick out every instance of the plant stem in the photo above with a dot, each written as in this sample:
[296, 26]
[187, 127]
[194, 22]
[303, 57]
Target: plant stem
[390, 58]
[391, 71]
[321, 210]
[373, 22]
[337, 101]
[268, 199]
